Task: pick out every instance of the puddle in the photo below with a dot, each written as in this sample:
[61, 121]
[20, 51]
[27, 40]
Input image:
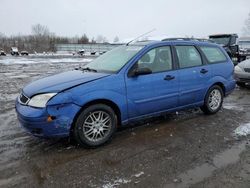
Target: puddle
[242, 130]
[203, 171]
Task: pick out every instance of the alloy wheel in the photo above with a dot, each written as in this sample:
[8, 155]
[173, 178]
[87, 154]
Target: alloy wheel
[97, 126]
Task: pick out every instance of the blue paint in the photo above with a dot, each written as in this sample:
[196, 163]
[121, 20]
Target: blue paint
[136, 97]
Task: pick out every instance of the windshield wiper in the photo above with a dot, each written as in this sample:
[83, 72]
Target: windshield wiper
[86, 69]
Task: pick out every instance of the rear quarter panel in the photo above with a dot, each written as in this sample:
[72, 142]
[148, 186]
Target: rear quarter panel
[223, 72]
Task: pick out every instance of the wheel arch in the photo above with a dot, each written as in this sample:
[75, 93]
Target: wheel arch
[221, 85]
[107, 102]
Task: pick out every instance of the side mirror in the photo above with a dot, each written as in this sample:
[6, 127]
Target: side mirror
[142, 71]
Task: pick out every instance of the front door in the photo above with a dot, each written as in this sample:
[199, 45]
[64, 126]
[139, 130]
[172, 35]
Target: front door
[155, 92]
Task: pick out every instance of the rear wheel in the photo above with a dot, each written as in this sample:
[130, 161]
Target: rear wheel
[95, 125]
[213, 100]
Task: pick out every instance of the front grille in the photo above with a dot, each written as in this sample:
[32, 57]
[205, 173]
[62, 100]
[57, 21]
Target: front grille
[247, 69]
[23, 99]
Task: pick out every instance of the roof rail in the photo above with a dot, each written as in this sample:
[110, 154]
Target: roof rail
[188, 39]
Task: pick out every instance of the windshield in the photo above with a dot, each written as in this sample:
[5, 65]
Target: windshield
[220, 40]
[244, 44]
[114, 60]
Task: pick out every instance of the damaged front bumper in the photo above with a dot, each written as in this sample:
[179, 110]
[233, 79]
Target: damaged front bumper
[52, 121]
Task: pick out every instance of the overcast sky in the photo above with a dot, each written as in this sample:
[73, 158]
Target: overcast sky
[124, 18]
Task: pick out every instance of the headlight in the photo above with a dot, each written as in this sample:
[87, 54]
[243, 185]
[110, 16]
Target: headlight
[41, 100]
[238, 69]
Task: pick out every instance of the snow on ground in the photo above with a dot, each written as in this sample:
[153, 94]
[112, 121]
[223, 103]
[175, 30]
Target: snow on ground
[242, 130]
[37, 59]
[116, 183]
[230, 106]
[120, 181]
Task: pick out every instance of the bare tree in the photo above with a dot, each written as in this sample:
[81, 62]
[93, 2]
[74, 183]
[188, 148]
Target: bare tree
[246, 28]
[2, 35]
[116, 39]
[83, 40]
[101, 39]
[41, 40]
[40, 30]
[41, 35]
[93, 40]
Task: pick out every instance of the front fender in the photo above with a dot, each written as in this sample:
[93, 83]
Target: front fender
[115, 97]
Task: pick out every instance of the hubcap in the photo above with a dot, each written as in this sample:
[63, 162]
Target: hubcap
[97, 126]
[214, 100]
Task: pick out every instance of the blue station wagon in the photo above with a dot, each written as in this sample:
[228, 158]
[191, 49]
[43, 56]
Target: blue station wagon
[128, 83]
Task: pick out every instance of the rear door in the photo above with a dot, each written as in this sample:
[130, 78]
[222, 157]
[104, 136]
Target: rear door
[193, 74]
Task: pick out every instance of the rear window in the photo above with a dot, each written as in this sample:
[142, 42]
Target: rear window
[213, 54]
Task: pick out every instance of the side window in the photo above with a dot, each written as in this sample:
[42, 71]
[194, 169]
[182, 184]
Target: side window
[213, 54]
[158, 59]
[188, 56]
[233, 40]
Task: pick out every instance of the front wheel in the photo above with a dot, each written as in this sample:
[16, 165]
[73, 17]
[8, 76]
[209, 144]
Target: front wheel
[213, 100]
[95, 125]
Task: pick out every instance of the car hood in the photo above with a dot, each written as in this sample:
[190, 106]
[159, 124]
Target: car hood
[244, 64]
[60, 82]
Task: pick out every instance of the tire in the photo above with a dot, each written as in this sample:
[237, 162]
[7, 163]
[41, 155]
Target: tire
[241, 84]
[209, 107]
[90, 131]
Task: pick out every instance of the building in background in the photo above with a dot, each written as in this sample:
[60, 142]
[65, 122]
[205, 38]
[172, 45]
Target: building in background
[98, 48]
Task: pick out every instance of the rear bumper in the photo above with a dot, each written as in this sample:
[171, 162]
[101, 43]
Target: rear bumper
[34, 120]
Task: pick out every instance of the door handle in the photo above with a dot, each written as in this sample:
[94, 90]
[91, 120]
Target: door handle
[169, 77]
[203, 71]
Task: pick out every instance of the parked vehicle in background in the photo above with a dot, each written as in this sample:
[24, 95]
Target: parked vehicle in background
[244, 45]
[81, 52]
[92, 52]
[126, 84]
[230, 43]
[2, 52]
[242, 73]
[24, 53]
[14, 51]
[102, 52]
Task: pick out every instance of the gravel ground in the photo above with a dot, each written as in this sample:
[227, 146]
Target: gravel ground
[184, 149]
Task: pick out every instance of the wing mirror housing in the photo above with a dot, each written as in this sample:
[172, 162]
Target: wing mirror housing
[141, 71]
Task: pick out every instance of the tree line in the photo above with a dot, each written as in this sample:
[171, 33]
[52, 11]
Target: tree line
[42, 40]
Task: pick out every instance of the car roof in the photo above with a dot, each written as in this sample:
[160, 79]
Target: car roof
[174, 42]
